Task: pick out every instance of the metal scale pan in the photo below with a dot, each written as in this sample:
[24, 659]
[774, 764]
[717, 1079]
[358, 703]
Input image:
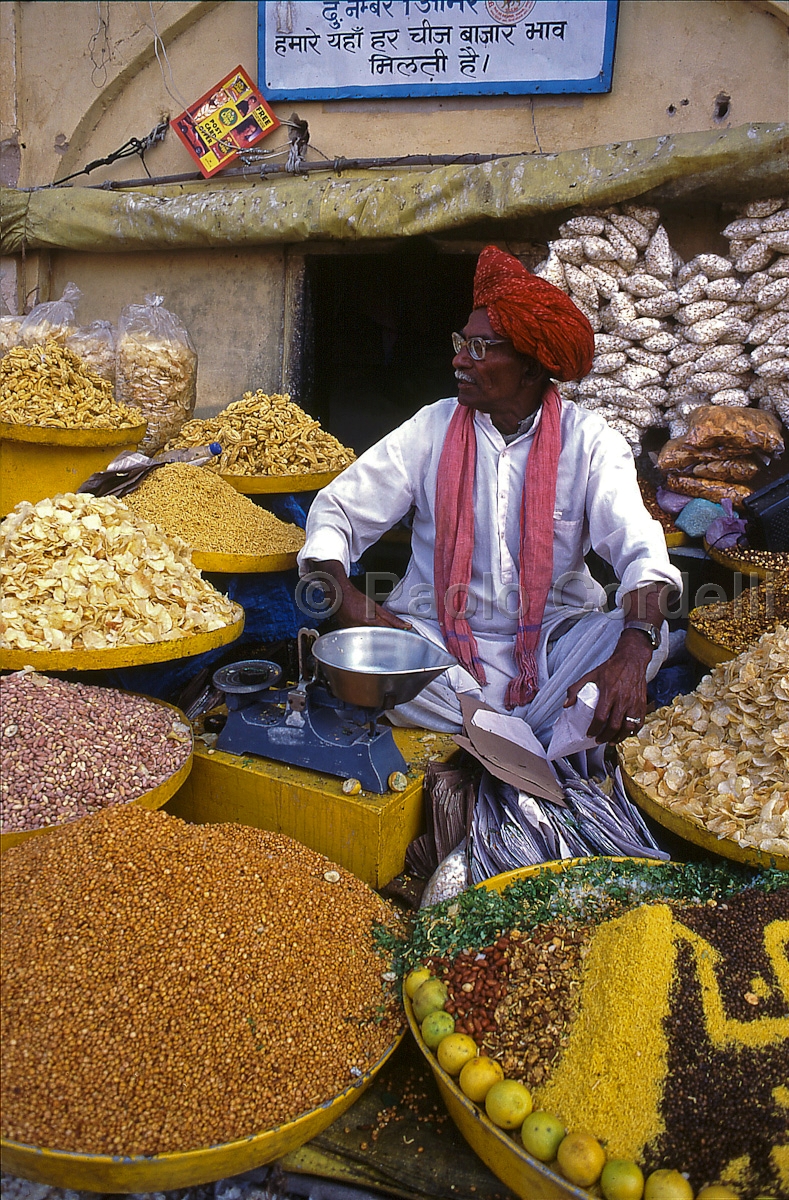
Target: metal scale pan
[328, 722]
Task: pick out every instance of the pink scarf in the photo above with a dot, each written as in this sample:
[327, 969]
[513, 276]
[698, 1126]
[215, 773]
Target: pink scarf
[454, 546]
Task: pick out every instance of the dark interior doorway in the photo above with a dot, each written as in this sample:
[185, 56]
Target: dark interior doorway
[381, 326]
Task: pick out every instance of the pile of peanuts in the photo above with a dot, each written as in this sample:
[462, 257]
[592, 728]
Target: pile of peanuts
[169, 986]
[68, 749]
[209, 514]
[51, 386]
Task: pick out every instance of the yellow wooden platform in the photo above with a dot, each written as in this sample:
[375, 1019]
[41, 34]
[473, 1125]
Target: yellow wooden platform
[367, 834]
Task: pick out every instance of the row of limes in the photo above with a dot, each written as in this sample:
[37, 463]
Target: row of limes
[578, 1155]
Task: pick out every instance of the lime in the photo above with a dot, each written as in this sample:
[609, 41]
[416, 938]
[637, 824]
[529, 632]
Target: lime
[541, 1134]
[455, 1051]
[508, 1104]
[429, 997]
[581, 1158]
[415, 979]
[622, 1179]
[436, 1026]
[667, 1185]
[478, 1076]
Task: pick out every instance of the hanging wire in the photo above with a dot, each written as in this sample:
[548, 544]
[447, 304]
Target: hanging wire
[100, 44]
[133, 146]
[534, 125]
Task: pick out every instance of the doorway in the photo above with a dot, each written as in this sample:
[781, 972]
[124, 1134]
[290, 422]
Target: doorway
[381, 326]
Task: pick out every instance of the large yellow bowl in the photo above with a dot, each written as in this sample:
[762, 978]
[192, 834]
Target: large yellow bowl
[37, 462]
[256, 485]
[123, 656]
[162, 1172]
[527, 1177]
[152, 800]
[731, 561]
[712, 654]
[232, 564]
[649, 803]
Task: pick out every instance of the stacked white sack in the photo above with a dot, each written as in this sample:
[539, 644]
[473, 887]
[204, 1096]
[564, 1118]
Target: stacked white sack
[759, 249]
[617, 265]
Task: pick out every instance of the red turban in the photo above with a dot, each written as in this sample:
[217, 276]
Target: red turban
[537, 317]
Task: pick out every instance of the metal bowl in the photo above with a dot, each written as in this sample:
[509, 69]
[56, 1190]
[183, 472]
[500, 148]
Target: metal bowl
[376, 667]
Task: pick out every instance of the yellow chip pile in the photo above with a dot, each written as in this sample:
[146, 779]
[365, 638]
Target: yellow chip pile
[719, 756]
[209, 514]
[50, 386]
[83, 572]
[266, 435]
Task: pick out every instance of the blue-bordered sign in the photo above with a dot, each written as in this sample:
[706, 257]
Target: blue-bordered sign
[345, 49]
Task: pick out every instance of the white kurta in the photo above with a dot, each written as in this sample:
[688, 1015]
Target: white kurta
[598, 506]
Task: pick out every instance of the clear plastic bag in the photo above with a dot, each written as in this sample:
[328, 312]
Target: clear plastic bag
[9, 333]
[733, 431]
[156, 369]
[707, 489]
[52, 321]
[95, 345]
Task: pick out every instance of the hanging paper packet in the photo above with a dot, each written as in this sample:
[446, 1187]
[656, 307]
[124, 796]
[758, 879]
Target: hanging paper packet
[126, 472]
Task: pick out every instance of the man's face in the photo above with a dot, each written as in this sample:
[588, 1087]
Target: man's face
[495, 384]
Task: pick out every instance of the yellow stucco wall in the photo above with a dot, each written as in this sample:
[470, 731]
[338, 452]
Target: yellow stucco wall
[72, 90]
[82, 90]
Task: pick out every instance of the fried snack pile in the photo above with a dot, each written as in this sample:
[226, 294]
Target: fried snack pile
[82, 572]
[51, 387]
[719, 756]
[266, 435]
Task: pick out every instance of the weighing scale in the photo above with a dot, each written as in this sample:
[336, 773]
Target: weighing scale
[330, 720]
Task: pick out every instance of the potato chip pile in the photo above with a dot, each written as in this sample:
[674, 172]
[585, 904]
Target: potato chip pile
[83, 572]
[52, 387]
[719, 756]
[266, 435]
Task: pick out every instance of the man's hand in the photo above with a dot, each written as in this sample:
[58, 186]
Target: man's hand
[623, 689]
[354, 607]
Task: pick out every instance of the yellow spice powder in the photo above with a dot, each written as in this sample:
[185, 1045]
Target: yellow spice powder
[209, 514]
[610, 1078]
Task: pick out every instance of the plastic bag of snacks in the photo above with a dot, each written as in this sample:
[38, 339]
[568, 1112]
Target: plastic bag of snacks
[734, 430]
[95, 345]
[52, 321]
[9, 333]
[156, 369]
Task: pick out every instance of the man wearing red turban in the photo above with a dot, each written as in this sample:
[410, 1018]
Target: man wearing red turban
[509, 489]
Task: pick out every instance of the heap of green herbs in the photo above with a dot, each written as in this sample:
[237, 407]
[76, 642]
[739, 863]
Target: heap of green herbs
[588, 892]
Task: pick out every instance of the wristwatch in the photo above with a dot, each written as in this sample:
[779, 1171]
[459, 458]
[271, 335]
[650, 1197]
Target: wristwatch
[652, 631]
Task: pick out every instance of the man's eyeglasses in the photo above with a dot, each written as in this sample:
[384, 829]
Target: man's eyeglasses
[476, 346]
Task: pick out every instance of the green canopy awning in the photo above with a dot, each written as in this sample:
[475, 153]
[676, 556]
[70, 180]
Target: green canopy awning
[727, 165]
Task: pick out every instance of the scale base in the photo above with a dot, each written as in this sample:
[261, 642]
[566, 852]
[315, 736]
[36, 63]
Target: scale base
[333, 741]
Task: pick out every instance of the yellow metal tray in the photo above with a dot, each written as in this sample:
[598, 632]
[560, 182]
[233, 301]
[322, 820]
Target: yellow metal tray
[696, 833]
[232, 564]
[527, 1177]
[190, 1168]
[122, 656]
[152, 800]
[37, 462]
[704, 649]
[255, 485]
[738, 564]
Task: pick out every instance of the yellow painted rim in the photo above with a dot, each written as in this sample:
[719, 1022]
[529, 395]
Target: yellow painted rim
[44, 435]
[151, 800]
[704, 649]
[527, 1177]
[122, 656]
[254, 485]
[698, 834]
[188, 1168]
[737, 564]
[232, 564]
